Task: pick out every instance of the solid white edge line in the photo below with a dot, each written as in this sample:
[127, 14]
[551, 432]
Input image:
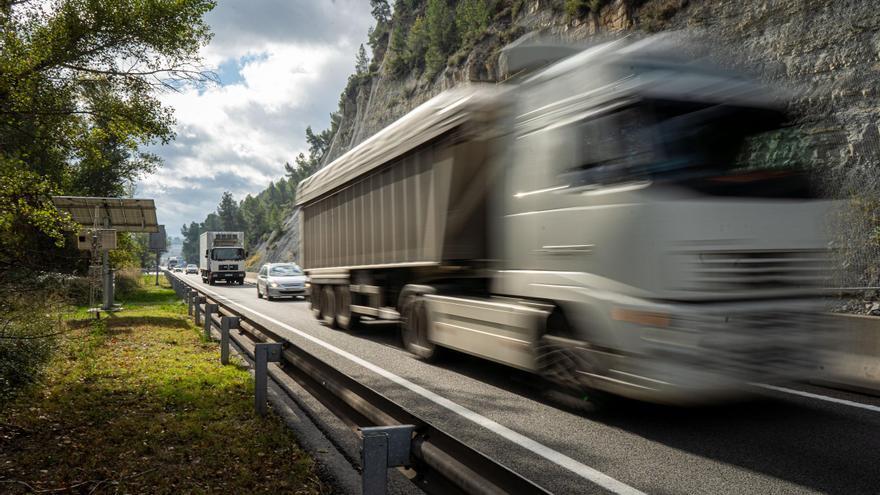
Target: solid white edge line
[825, 398]
[540, 449]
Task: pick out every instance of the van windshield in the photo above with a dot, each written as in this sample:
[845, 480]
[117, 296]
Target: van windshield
[228, 254]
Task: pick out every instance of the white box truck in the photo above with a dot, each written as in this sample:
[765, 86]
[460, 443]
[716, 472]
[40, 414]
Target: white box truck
[221, 257]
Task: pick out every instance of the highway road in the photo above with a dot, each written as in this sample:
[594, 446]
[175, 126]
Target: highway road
[797, 439]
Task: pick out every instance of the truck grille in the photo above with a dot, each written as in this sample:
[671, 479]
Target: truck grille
[739, 271]
[227, 267]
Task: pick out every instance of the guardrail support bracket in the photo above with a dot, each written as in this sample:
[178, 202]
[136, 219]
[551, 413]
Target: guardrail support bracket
[383, 447]
[263, 354]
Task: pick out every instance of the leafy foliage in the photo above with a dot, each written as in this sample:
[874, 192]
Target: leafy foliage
[79, 84]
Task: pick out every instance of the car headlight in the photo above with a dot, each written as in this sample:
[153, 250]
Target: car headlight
[273, 285]
[307, 285]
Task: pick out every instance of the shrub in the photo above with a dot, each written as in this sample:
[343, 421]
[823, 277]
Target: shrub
[30, 323]
[128, 281]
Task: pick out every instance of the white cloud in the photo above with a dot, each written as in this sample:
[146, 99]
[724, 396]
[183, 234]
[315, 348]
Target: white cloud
[282, 66]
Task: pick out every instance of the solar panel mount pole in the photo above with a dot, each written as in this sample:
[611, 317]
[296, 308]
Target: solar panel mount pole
[108, 273]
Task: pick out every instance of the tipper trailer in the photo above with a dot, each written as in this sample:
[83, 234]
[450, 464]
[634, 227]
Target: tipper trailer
[589, 223]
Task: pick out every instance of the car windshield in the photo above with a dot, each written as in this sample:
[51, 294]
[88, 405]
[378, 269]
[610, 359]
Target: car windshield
[285, 270]
[228, 254]
[190, 266]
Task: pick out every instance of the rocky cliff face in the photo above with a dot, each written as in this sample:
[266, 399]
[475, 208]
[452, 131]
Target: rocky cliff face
[827, 51]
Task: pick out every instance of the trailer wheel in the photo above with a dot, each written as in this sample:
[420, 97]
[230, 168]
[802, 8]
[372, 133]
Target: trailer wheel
[315, 301]
[344, 316]
[414, 328]
[328, 306]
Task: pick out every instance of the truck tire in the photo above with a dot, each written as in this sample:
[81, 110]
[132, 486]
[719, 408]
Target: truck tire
[328, 306]
[345, 318]
[414, 328]
[315, 301]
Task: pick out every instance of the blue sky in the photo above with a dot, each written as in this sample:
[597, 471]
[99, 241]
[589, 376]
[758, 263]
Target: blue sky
[282, 65]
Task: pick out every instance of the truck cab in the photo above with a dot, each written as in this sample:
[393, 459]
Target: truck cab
[222, 256]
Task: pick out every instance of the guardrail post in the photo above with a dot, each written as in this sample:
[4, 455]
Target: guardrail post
[383, 447]
[190, 299]
[210, 309]
[226, 323]
[263, 354]
[197, 308]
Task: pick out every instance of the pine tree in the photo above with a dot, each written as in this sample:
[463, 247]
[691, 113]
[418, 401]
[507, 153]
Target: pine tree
[362, 64]
[381, 10]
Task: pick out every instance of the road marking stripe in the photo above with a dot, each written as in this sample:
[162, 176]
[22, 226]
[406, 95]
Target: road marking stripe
[835, 400]
[540, 449]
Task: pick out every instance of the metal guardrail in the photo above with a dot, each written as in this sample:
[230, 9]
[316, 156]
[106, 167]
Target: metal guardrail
[434, 460]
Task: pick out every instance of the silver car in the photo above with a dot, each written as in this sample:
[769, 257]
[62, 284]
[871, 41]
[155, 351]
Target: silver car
[281, 280]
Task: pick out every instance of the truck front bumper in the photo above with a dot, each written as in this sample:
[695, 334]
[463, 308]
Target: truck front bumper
[227, 276]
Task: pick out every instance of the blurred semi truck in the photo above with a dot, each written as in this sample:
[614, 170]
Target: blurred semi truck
[606, 222]
[221, 257]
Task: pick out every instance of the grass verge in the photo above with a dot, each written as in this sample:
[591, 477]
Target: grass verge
[139, 403]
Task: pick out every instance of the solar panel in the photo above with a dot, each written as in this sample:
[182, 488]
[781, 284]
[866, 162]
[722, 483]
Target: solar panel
[125, 214]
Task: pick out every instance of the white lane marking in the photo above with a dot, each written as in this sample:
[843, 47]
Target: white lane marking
[835, 400]
[540, 449]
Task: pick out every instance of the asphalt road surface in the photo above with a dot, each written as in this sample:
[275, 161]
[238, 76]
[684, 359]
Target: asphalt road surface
[797, 439]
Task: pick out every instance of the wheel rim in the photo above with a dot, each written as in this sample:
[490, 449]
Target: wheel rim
[415, 330]
[343, 307]
[328, 306]
[315, 301]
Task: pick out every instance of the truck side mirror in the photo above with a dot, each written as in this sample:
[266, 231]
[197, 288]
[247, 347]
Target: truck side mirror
[247, 254]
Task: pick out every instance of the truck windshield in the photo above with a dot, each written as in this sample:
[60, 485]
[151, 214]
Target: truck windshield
[228, 254]
[667, 140]
[285, 270]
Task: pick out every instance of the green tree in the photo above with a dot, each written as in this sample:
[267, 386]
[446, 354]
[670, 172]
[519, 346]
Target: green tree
[440, 26]
[228, 213]
[362, 63]
[417, 43]
[381, 10]
[471, 19]
[190, 249]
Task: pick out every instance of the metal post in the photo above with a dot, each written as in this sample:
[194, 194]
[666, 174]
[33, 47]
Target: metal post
[188, 296]
[263, 354]
[226, 323]
[210, 309]
[383, 447]
[197, 309]
[158, 256]
[107, 272]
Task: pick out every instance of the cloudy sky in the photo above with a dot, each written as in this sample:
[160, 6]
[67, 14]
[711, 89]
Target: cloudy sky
[282, 65]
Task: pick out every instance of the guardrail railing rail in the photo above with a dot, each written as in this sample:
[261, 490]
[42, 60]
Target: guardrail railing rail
[434, 460]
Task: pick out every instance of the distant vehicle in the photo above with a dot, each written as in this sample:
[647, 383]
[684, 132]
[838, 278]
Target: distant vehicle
[221, 257]
[177, 269]
[173, 262]
[281, 280]
[191, 268]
